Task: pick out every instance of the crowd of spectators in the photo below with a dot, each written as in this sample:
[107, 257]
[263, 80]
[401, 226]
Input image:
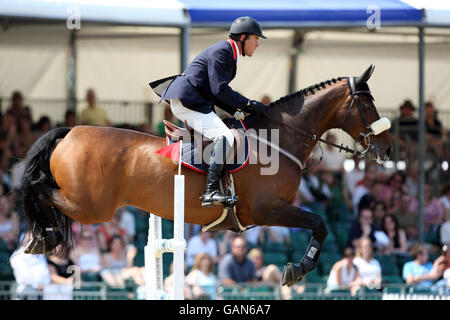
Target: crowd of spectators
[375, 208]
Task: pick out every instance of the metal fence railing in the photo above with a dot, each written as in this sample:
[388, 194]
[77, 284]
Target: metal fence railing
[253, 291]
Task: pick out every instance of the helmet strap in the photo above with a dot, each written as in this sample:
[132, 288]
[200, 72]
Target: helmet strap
[243, 43]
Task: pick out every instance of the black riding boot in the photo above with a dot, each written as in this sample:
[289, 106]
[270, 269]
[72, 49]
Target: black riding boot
[212, 196]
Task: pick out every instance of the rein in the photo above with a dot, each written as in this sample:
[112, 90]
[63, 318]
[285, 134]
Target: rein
[314, 137]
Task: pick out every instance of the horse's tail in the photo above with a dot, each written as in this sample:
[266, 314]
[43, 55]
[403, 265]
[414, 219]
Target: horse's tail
[48, 225]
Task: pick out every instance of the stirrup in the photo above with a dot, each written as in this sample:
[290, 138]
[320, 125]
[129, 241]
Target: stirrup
[209, 201]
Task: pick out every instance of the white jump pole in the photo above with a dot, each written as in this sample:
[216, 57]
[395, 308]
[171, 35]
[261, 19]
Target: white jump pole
[156, 246]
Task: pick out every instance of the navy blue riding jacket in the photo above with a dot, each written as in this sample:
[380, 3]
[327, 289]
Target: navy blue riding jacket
[205, 81]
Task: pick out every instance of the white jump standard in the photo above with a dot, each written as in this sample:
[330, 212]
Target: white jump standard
[156, 246]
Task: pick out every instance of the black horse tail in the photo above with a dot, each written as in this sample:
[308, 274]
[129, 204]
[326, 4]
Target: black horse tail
[48, 225]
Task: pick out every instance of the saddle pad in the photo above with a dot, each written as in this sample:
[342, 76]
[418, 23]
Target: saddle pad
[191, 155]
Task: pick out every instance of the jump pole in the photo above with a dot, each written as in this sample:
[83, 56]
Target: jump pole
[156, 246]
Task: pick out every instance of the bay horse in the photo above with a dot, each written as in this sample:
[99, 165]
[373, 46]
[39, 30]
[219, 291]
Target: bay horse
[86, 173]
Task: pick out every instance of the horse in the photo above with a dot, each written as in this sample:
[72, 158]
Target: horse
[86, 173]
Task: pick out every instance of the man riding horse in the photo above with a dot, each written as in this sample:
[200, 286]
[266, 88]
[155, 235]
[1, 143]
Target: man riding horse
[205, 83]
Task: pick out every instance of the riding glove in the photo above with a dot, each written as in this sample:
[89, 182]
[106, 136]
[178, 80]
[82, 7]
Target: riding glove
[254, 106]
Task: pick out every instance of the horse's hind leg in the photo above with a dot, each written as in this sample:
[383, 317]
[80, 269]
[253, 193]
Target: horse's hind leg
[285, 215]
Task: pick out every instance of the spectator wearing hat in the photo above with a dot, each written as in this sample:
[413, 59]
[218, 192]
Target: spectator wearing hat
[405, 128]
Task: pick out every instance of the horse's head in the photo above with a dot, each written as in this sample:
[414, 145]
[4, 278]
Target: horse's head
[359, 118]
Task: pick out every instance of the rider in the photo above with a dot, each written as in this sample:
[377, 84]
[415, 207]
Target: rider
[204, 84]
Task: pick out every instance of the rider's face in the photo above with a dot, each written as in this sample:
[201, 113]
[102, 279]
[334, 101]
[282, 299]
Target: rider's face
[251, 44]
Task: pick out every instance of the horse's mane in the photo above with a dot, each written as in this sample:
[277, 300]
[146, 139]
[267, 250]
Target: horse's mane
[305, 91]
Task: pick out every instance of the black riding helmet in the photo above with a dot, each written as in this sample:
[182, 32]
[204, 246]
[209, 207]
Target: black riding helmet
[247, 26]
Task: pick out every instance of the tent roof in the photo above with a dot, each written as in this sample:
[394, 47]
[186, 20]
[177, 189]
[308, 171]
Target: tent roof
[301, 13]
[134, 12]
[437, 12]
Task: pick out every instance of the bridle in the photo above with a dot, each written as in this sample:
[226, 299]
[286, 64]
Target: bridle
[362, 135]
[354, 92]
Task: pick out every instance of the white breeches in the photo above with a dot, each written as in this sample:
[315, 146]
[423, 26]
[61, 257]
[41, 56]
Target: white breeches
[208, 124]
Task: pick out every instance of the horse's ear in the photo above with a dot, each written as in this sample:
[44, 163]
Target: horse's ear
[365, 76]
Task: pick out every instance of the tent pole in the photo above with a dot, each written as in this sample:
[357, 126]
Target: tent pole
[421, 134]
[184, 45]
[297, 42]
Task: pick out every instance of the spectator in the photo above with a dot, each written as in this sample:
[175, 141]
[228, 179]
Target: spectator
[127, 222]
[405, 210]
[362, 228]
[58, 265]
[87, 256]
[434, 210]
[397, 237]
[8, 131]
[344, 274]
[364, 186]
[263, 273]
[70, 119]
[394, 184]
[442, 263]
[107, 230]
[118, 263]
[43, 126]
[5, 178]
[17, 108]
[379, 212]
[93, 115]
[368, 267]
[201, 243]
[352, 177]
[271, 274]
[169, 284]
[315, 188]
[9, 223]
[420, 272]
[30, 271]
[25, 137]
[405, 129]
[202, 278]
[237, 267]
[412, 179]
[86, 229]
[445, 199]
[435, 132]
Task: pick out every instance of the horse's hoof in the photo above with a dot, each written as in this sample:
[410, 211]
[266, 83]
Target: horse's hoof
[292, 274]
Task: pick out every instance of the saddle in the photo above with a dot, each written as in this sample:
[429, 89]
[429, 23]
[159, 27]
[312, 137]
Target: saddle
[192, 157]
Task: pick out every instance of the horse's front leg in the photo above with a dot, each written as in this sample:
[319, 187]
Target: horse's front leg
[286, 215]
